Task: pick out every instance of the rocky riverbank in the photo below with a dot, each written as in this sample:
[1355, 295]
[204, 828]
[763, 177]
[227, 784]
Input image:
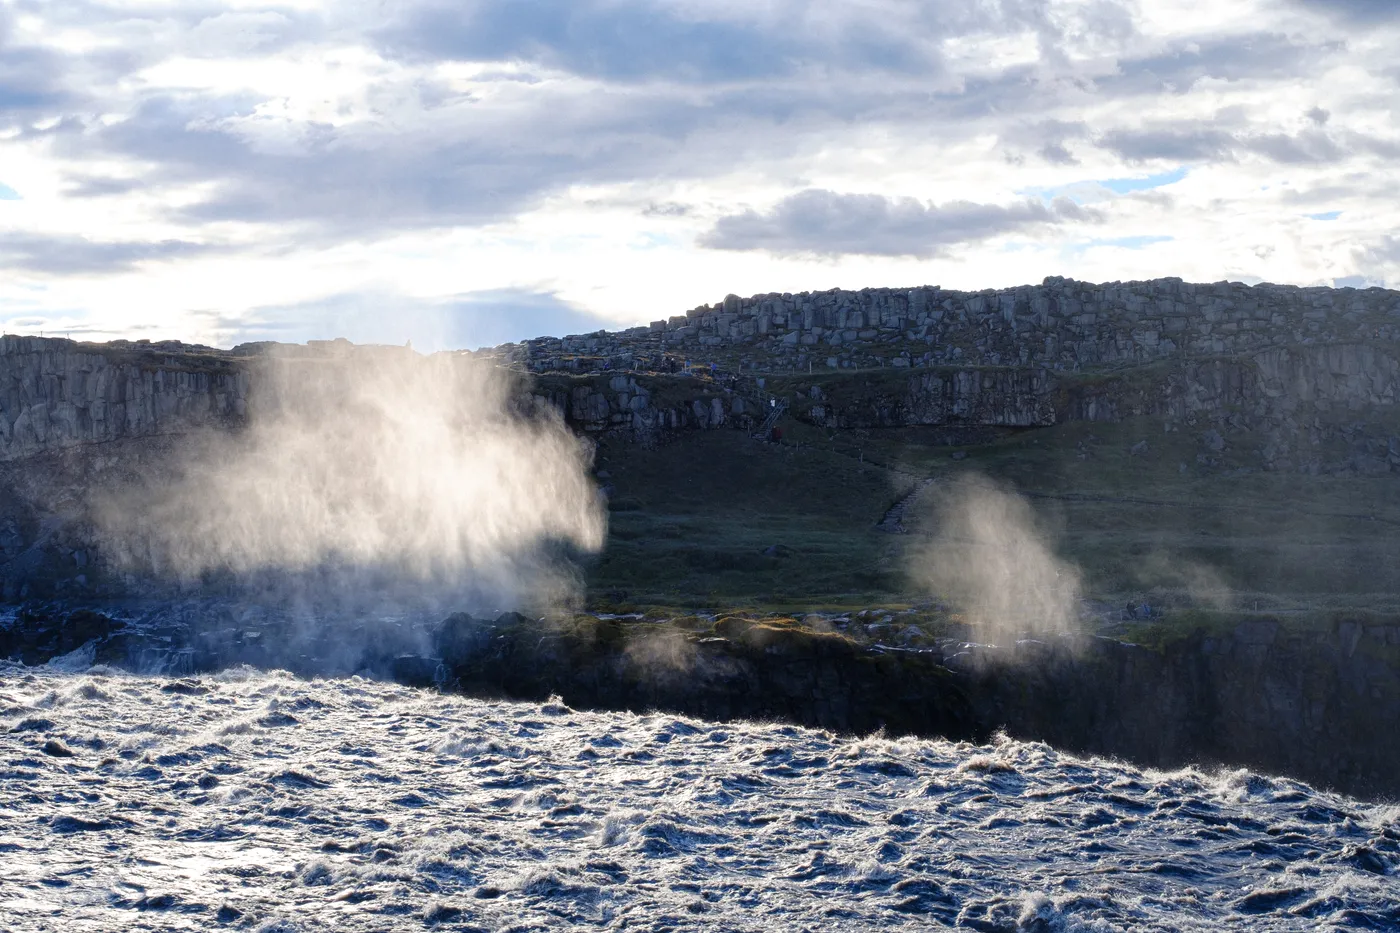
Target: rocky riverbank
[1307, 704]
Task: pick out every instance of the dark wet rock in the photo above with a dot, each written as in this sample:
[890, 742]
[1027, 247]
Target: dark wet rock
[298, 779]
[746, 669]
[57, 749]
[77, 824]
[277, 720]
[37, 635]
[1269, 899]
[441, 913]
[415, 671]
[1367, 858]
[460, 636]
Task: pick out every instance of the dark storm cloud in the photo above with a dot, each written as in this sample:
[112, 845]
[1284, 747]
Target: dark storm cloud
[72, 255]
[825, 223]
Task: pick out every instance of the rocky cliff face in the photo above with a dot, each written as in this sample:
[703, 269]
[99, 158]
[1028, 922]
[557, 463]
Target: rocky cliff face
[57, 393]
[1300, 379]
[1286, 362]
[1310, 704]
[1060, 324]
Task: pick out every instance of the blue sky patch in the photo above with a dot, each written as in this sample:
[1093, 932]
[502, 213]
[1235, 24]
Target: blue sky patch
[1129, 242]
[1144, 183]
[1100, 189]
[1325, 215]
[8, 194]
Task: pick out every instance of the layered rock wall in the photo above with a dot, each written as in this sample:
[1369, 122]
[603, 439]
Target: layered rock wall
[57, 393]
[1296, 365]
[1060, 324]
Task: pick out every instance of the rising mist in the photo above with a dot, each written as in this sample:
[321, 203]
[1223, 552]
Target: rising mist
[373, 469]
[994, 562]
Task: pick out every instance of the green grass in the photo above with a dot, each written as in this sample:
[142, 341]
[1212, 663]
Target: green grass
[694, 517]
[691, 520]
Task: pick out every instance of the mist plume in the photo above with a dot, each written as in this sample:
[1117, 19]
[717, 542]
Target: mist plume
[373, 467]
[991, 559]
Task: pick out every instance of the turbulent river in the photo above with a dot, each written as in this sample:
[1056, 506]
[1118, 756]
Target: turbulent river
[250, 800]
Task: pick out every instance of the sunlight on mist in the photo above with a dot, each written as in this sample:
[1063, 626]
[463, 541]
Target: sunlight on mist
[993, 562]
[374, 464]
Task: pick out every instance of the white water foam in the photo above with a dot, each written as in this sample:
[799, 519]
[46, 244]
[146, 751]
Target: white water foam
[257, 801]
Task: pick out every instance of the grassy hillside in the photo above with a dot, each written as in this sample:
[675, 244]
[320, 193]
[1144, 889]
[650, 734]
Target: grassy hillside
[691, 520]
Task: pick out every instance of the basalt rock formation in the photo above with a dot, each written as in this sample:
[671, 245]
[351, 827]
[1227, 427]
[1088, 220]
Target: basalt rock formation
[1298, 367]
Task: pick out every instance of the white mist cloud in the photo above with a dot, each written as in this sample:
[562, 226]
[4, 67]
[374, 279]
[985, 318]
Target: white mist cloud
[374, 467]
[993, 562]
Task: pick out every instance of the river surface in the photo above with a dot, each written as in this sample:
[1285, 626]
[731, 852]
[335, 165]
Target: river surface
[257, 801]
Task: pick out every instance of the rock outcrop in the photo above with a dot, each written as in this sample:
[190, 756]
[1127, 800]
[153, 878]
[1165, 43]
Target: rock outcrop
[57, 393]
[1308, 703]
[1283, 361]
[1060, 324]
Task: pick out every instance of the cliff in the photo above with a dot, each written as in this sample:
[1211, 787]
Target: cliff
[1061, 324]
[57, 393]
[1288, 379]
[1296, 364]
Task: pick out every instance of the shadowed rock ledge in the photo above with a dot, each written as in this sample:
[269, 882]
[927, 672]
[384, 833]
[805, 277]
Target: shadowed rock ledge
[1308, 705]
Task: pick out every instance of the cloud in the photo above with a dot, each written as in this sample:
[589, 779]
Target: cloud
[96, 186]
[1206, 141]
[825, 223]
[1382, 253]
[1179, 143]
[1128, 242]
[29, 76]
[1307, 147]
[463, 165]
[1183, 62]
[75, 255]
[1359, 11]
[324, 133]
[634, 41]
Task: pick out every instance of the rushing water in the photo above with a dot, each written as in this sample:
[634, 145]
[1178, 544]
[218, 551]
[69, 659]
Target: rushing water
[258, 801]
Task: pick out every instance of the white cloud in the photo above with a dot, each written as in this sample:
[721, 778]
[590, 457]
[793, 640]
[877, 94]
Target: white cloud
[187, 167]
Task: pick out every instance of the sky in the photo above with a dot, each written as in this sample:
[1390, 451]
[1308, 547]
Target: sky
[460, 173]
